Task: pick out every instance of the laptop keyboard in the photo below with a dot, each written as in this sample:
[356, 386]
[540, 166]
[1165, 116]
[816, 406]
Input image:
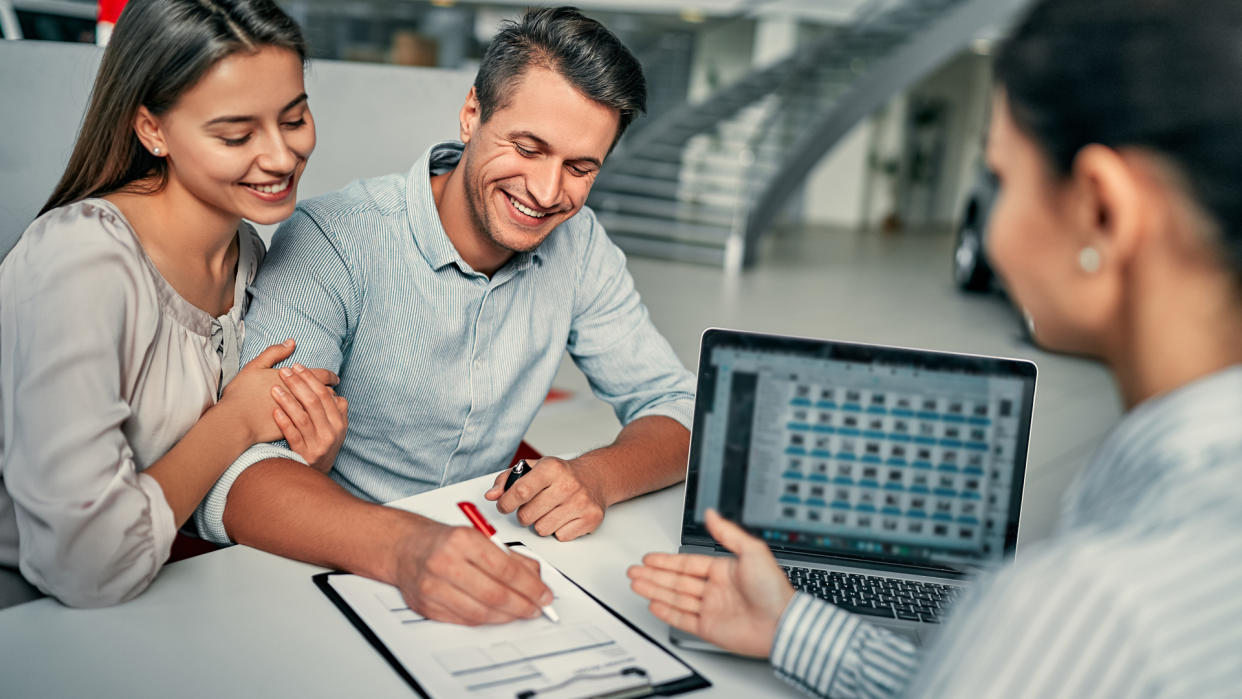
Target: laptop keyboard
[872, 595]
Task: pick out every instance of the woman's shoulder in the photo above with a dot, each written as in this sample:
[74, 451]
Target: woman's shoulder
[80, 245]
[83, 229]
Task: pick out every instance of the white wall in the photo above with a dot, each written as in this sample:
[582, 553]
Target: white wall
[975, 124]
[44, 86]
[965, 82]
[722, 55]
[833, 194]
[371, 120]
[836, 189]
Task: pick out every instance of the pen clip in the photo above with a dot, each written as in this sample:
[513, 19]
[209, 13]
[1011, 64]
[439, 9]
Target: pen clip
[521, 468]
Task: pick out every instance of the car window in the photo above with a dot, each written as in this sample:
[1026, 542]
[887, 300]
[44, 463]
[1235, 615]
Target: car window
[49, 26]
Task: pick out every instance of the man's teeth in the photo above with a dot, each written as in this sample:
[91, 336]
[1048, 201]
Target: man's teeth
[272, 188]
[528, 211]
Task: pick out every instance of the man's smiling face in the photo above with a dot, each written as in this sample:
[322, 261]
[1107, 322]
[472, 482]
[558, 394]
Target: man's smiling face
[531, 165]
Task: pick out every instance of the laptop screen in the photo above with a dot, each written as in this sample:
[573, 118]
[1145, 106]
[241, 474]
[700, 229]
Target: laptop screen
[874, 453]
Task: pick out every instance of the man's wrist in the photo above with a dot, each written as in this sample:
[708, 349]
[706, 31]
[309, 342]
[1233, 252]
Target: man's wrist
[591, 475]
[412, 530]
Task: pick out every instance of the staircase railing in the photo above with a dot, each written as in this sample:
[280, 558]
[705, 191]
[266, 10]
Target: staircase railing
[703, 182]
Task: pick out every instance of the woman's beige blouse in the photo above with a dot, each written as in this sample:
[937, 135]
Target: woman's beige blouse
[103, 368]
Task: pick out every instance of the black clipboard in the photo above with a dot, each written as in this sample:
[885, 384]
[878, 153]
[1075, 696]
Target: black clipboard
[686, 684]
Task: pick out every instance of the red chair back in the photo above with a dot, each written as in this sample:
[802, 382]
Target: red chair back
[525, 451]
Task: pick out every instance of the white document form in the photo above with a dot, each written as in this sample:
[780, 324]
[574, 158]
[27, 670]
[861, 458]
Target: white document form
[591, 652]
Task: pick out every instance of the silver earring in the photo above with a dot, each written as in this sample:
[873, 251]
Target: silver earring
[155, 150]
[1089, 260]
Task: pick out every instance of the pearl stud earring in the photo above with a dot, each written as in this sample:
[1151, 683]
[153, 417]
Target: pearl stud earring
[155, 150]
[1089, 260]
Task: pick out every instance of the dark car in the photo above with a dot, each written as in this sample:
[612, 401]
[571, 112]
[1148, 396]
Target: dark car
[971, 271]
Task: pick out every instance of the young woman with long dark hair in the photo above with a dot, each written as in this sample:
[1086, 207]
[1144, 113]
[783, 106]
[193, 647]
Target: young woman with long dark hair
[121, 305]
[1117, 138]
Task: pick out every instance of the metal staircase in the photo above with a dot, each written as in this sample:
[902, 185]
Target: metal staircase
[702, 182]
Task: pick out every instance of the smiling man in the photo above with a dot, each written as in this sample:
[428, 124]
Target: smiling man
[445, 299]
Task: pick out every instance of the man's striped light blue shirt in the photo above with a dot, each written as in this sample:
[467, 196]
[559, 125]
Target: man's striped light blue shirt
[444, 368]
[1137, 596]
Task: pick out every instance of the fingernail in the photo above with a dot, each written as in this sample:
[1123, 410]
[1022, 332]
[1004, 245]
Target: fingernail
[280, 391]
[299, 368]
[286, 372]
[288, 343]
[533, 613]
[546, 599]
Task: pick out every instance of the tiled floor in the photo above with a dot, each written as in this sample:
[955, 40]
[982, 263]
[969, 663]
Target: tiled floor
[892, 289]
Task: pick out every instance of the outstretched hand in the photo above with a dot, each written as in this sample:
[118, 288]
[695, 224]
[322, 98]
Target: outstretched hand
[735, 603]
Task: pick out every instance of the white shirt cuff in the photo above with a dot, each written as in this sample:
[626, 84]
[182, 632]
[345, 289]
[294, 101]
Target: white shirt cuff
[209, 517]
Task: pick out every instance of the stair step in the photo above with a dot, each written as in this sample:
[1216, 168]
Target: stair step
[723, 194]
[641, 246]
[672, 209]
[640, 167]
[685, 232]
[728, 165]
[681, 189]
[699, 184]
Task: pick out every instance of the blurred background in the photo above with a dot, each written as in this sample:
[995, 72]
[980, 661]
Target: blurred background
[809, 167]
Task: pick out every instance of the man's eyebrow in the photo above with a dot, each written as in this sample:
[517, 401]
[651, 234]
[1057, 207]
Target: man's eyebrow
[544, 144]
[238, 119]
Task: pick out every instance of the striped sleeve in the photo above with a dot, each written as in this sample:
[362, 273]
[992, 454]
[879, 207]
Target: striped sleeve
[1055, 624]
[628, 363]
[305, 291]
[829, 652]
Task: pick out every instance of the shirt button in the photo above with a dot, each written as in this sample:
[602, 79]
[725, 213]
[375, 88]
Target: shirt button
[478, 364]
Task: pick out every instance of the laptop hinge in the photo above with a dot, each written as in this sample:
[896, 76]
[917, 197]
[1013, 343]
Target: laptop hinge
[879, 566]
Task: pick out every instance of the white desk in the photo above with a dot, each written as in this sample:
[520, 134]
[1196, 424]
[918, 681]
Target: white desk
[243, 623]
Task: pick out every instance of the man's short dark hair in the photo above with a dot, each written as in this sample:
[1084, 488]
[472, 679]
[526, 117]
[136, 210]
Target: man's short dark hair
[578, 48]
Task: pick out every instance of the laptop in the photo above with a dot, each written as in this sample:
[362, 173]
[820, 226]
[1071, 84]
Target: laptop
[882, 478]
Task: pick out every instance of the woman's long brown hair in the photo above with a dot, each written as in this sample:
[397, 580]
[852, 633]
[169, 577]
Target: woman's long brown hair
[159, 49]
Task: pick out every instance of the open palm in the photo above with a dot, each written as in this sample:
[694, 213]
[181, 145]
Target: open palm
[735, 603]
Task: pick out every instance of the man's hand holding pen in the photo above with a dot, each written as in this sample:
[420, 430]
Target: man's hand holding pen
[554, 496]
[457, 575]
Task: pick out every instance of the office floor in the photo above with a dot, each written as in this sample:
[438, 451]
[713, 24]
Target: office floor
[884, 288]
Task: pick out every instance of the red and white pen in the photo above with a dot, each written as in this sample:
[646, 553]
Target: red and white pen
[476, 518]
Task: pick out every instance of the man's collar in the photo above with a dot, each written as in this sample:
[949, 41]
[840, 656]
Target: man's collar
[424, 218]
[429, 234]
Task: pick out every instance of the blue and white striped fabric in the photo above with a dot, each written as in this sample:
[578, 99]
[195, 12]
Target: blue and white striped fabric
[444, 368]
[1138, 596]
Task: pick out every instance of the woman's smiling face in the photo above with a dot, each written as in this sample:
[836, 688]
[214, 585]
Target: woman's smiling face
[238, 140]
